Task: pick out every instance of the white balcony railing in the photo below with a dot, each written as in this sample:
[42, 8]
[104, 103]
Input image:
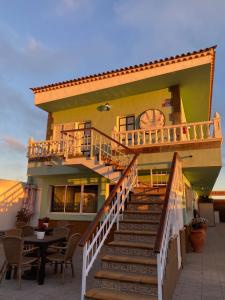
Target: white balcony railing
[174, 134]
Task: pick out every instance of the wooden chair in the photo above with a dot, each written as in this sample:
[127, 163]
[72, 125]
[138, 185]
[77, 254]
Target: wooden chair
[61, 231]
[64, 254]
[27, 230]
[16, 232]
[16, 256]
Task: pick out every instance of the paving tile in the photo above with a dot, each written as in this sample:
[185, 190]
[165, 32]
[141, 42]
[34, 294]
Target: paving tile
[203, 276]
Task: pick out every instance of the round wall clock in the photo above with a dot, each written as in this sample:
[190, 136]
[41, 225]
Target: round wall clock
[151, 119]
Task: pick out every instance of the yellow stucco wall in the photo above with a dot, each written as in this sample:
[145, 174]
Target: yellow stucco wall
[106, 121]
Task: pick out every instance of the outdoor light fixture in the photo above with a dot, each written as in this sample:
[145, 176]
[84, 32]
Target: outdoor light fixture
[105, 107]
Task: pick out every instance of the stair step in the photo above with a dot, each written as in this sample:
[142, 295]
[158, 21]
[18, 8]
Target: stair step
[130, 264]
[130, 259]
[142, 215]
[137, 221]
[142, 212]
[143, 225]
[118, 276]
[106, 294]
[131, 245]
[147, 202]
[139, 284]
[139, 232]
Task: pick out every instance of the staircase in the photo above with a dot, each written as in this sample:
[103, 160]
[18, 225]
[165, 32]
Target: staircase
[129, 266]
[108, 170]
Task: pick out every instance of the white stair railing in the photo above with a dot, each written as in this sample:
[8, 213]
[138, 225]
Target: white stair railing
[173, 134]
[97, 232]
[90, 142]
[171, 220]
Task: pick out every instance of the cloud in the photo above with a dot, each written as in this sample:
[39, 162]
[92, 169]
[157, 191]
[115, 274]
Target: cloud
[32, 58]
[13, 144]
[65, 7]
[170, 27]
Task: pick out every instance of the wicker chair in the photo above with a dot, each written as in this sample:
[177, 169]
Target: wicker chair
[27, 230]
[16, 232]
[62, 231]
[16, 256]
[64, 254]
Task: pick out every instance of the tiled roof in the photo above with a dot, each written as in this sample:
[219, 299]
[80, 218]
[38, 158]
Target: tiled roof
[126, 70]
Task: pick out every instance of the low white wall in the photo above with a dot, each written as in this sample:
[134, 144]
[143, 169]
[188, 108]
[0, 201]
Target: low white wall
[8, 215]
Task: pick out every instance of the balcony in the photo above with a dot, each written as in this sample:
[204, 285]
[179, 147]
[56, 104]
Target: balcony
[93, 143]
[174, 135]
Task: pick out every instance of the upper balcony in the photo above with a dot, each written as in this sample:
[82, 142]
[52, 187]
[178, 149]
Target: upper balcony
[180, 135]
[77, 143]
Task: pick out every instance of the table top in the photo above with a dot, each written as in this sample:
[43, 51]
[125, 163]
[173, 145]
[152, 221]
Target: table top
[48, 239]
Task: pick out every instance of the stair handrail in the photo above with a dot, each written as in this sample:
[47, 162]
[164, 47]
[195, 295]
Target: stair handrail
[131, 151]
[109, 214]
[169, 224]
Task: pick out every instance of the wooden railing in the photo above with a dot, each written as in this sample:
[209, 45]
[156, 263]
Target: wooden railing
[109, 214]
[171, 219]
[174, 134]
[89, 142]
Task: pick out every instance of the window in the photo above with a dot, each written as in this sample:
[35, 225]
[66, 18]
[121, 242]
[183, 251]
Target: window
[127, 123]
[74, 199]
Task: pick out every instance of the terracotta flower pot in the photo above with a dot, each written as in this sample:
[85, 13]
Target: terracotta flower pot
[197, 238]
[204, 226]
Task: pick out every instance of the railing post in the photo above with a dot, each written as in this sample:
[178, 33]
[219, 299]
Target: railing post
[159, 276]
[30, 142]
[151, 178]
[217, 126]
[84, 275]
[100, 149]
[92, 145]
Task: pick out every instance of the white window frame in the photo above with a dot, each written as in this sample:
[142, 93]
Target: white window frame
[64, 199]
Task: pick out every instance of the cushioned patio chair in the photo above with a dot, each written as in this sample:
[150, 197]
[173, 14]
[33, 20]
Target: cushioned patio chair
[64, 254]
[15, 256]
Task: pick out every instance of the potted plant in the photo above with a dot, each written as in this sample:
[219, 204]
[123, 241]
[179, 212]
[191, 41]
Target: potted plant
[46, 221]
[41, 231]
[198, 234]
[23, 217]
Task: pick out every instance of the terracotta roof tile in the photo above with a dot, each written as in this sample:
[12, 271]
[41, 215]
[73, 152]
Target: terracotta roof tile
[125, 70]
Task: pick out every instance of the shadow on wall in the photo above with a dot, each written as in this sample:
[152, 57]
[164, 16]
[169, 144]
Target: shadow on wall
[11, 198]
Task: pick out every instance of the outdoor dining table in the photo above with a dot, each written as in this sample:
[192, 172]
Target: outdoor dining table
[43, 246]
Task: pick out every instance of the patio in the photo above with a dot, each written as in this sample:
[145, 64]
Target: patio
[203, 276]
[53, 287]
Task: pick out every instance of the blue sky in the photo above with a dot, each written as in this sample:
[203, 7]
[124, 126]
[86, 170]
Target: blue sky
[48, 41]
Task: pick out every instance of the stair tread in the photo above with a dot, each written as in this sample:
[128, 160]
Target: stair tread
[146, 202]
[119, 276]
[131, 244]
[138, 221]
[139, 232]
[142, 212]
[130, 259]
[105, 294]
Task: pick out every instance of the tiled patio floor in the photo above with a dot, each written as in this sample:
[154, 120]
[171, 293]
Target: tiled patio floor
[53, 289]
[203, 276]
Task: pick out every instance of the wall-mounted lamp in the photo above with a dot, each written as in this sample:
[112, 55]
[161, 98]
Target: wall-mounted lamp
[105, 107]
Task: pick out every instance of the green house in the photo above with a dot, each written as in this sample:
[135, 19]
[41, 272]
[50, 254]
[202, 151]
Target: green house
[128, 123]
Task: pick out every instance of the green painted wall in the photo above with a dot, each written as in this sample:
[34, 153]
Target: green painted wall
[106, 121]
[45, 182]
